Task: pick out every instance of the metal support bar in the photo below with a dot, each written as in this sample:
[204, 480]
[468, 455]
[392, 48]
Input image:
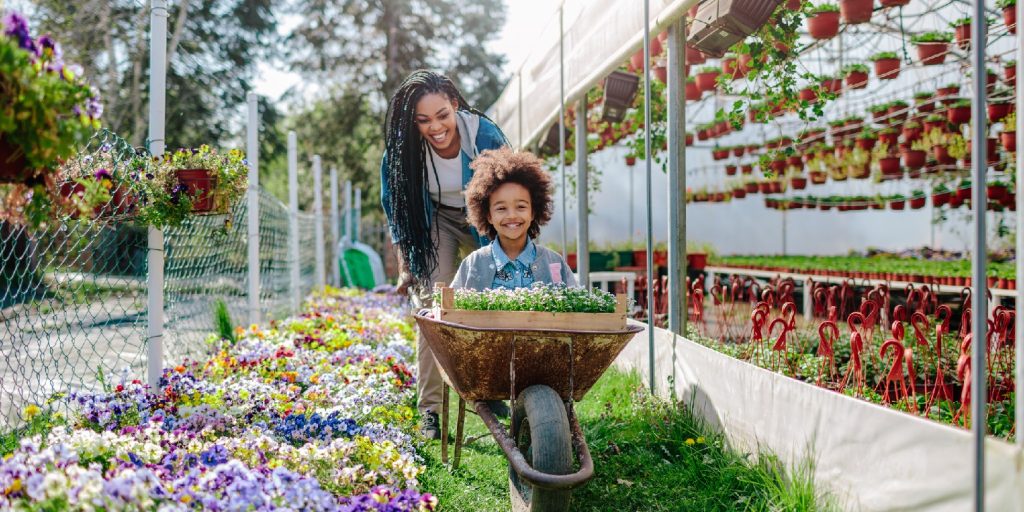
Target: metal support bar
[561, 130]
[335, 255]
[582, 202]
[318, 223]
[677, 177]
[155, 242]
[253, 226]
[1019, 318]
[650, 218]
[979, 311]
[357, 214]
[348, 210]
[293, 221]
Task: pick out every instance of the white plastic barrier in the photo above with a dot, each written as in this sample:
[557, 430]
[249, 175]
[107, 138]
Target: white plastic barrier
[870, 457]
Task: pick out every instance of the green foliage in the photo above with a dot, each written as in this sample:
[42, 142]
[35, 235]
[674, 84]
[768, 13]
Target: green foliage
[961, 22]
[826, 7]
[1003, 4]
[222, 321]
[932, 37]
[850, 68]
[539, 297]
[883, 56]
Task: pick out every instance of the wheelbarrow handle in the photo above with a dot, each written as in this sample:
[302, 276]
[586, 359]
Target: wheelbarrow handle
[523, 469]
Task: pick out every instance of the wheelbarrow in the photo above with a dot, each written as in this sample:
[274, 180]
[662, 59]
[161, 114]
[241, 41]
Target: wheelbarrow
[543, 371]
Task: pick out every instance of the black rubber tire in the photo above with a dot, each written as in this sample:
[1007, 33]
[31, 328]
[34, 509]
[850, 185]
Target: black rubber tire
[540, 428]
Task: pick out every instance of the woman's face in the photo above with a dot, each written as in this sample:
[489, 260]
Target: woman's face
[511, 211]
[435, 117]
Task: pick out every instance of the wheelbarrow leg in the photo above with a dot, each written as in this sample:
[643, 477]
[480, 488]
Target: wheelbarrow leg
[444, 423]
[458, 433]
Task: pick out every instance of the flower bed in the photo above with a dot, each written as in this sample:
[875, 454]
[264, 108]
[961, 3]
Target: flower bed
[909, 269]
[310, 414]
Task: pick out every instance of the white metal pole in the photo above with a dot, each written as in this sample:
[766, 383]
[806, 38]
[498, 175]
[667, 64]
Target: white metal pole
[155, 252]
[650, 220]
[335, 255]
[677, 177]
[293, 220]
[561, 131]
[348, 210]
[253, 157]
[582, 204]
[318, 223]
[979, 311]
[1019, 331]
[357, 217]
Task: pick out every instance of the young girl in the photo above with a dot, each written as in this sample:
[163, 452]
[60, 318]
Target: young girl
[508, 200]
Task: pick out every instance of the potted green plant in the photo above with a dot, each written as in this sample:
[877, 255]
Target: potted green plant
[823, 21]
[999, 105]
[962, 32]
[887, 65]
[917, 199]
[867, 139]
[192, 181]
[693, 92]
[932, 47]
[719, 153]
[878, 111]
[940, 195]
[923, 101]
[889, 136]
[996, 190]
[897, 201]
[1009, 136]
[707, 78]
[856, 76]
[959, 112]
[948, 93]
[1010, 72]
[911, 131]
[898, 111]
[856, 11]
[1009, 14]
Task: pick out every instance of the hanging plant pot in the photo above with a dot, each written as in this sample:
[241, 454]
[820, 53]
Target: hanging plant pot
[964, 193]
[747, 169]
[959, 114]
[693, 92]
[911, 133]
[689, 139]
[941, 154]
[729, 66]
[636, 61]
[661, 73]
[719, 154]
[866, 144]
[739, 193]
[752, 187]
[1010, 72]
[887, 69]
[925, 106]
[940, 198]
[764, 187]
[1009, 140]
[707, 80]
[818, 177]
[932, 54]
[990, 151]
[963, 35]
[776, 187]
[948, 93]
[630, 160]
[856, 11]
[823, 25]
[890, 166]
[897, 204]
[198, 184]
[914, 158]
[739, 150]
[857, 80]
[935, 124]
[916, 203]
[808, 94]
[1010, 18]
[889, 138]
[832, 85]
[892, 3]
[778, 166]
[898, 113]
[743, 66]
[730, 170]
[996, 192]
[798, 182]
[695, 56]
[998, 111]
[795, 162]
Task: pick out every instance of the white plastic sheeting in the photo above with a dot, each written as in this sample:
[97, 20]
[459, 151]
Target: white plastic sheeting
[599, 36]
[869, 457]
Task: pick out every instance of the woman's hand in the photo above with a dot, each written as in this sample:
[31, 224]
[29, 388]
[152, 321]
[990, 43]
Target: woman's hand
[405, 278]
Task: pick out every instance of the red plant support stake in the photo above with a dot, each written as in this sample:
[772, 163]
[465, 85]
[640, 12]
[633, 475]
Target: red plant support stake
[895, 375]
[940, 390]
[828, 335]
[963, 372]
[919, 321]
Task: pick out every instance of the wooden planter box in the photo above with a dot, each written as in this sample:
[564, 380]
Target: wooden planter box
[531, 319]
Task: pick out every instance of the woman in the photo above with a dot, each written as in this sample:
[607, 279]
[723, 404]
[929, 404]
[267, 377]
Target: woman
[432, 135]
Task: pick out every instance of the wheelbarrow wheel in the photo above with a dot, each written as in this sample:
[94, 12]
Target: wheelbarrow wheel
[540, 428]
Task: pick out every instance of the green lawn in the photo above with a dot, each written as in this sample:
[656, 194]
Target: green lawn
[648, 455]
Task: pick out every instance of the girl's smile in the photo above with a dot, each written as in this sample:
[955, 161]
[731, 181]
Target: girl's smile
[511, 213]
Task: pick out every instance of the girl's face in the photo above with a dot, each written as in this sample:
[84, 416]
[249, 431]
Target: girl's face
[511, 211]
[435, 117]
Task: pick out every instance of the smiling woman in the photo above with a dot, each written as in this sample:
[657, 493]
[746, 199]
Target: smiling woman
[432, 135]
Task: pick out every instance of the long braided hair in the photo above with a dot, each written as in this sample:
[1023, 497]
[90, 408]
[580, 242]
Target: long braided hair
[407, 172]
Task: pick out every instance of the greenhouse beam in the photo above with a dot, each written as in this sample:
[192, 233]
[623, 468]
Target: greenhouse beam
[650, 223]
[677, 177]
[979, 311]
[582, 204]
[155, 242]
[335, 227]
[253, 226]
[561, 131]
[1019, 319]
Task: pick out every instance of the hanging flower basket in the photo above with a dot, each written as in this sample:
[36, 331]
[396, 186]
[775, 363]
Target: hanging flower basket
[887, 67]
[959, 113]
[824, 22]
[1009, 140]
[914, 158]
[1010, 17]
[747, 169]
[916, 203]
[856, 11]
[857, 79]
[962, 32]
[932, 47]
[198, 184]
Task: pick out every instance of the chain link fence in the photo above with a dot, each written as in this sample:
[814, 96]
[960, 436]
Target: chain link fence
[73, 295]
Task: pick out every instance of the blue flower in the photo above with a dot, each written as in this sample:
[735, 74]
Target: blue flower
[16, 27]
[214, 456]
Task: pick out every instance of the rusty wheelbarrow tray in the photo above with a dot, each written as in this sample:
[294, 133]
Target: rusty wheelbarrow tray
[500, 364]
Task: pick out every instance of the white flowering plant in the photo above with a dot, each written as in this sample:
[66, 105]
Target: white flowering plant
[539, 297]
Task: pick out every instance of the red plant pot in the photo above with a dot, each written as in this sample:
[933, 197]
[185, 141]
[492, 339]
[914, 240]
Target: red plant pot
[636, 61]
[730, 170]
[890, 166]
[694, 56]
[857, 80]
[997, 111]
[689, 139]
[1010, 75]
[798, 182]
[897, 114]
[1010, 18]
[692, 91]
[936, 125]
[866, 144]
[747, 169]
[948, 92]
[764, 187]
[959, 115]
[808, 94]
[996, 192]
[941, 198]
[941, 154]
[911, 134]
[832, 85]
[914, 158]
[739, 193]
[1009, 140]
[887, 69]
[925, 107]
[661, 73]
[752, 188]
[897, 205]
[795, 162]
[893, 3]
[963, 35]
[890, 138]
[704, 134]
[855, 11]
[776, 187]
[729, 67]
[823, 25]
[778, 166]
[631, 161]
[707, 81]
[199, 185]
[819, 177]
[963, 194]
[932, 54]
[739, 150]
[720, 154]
[918, 202]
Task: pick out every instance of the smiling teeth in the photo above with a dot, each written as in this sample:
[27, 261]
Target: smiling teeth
[440, 137]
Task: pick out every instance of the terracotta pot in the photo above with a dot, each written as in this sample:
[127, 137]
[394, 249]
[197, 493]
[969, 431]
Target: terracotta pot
[947, 92]
[866, 144]
[704, 134]
[890, 166]
[778, 166]
[818, 177]
[959, 115]
[963, 194]
[747, 169]
[996, 192]
[798, 182]
[764, 187]
[1010, 18]
[661, 73]
[857, 80]
[808, 94]
[793, 5]
[636, 61]
[932, 54]
[925, 107]
[706, 81]
[935, 125]
[695, 56]
[887, 69]
[199, 184]
[693, 92]
[914, 159]
[739, 193]
[963, 35]
[941, 154]
[912, 134]
[855, 11]
[832, 85]
[941, 198]
[751, 188]
[689, 139]
[889, 138]
[795, 162]
[897, 204]
[823, 25]
[893, 3]
[897, 114]
[917, 203]
[631, 161]
[1010, 75]
[730, 170]
[1009, 140]
[997, 111]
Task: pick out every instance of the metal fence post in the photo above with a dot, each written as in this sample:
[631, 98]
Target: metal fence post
[348, 210]
[650, 219]
[357, 215]
[677, 177]
[253, 157]
[318, 222]
[1019, 332]
[293, 221]
[335, 270]
[979, 252]
[582, 203]
[155, 242]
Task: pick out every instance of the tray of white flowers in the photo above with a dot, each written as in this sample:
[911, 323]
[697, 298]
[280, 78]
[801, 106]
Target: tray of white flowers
[542, 347]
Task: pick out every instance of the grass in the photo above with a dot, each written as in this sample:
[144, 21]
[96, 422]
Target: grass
[649, 455]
